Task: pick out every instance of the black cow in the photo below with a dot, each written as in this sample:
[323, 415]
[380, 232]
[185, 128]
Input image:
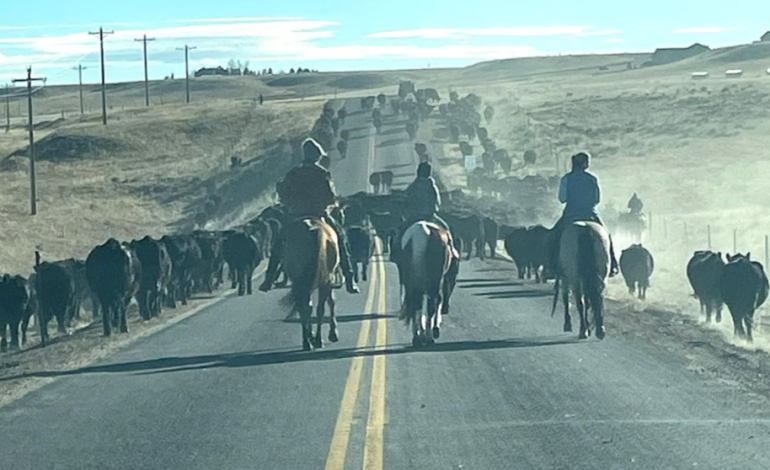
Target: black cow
[491, 233]
[114, 273]
[208, 270]
[14, 296]
[385, 225]
[467, 231]
[636, 265]
[704, 271]
[185, 256]
[56, 294]
[242, 255]
[537, 243]
[156, 274]
[744, 288]
[517, 247]
[360, 241]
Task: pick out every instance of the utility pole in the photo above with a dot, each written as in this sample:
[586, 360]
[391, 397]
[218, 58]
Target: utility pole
[80, 69]
[7, 108]
[32, 183]
[186, 68]
[146, 75]
[101, 34]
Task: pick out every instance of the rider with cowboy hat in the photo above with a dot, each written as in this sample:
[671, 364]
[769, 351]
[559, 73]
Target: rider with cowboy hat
[308, 191]
[579, 190]
[635, 205]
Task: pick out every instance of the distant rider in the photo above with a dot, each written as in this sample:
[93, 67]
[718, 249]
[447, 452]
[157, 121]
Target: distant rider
[308, 191]
[579, 190]
[635, 205]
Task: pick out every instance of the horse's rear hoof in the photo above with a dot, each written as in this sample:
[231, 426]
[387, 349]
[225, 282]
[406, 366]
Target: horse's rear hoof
[333, 336]
[436, 332]
[416, 341]
[306, 345]
[583, 335]
[568, 327]
[429, 341]
[600, 333]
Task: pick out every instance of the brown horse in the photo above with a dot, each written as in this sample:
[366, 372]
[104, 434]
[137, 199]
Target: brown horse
[584, 265]
[426, 270]
[311, 259]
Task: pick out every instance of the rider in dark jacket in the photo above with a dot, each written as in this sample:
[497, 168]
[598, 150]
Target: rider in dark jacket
[308, 191]
[424, 199]
[635, 205]
[580, 191]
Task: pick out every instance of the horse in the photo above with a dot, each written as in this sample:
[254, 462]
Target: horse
[583, 266]
[633, 224]
[311, 258]
[425, 271]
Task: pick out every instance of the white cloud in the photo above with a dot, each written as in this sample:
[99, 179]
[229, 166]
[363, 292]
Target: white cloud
[416, 52]
[614, 41]
[706, 29]
[236, 20]
[458, 33]
[603, 32]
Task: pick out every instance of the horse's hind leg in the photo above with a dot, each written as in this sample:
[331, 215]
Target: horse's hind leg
[597, 306]
[305, 311]
[582, 311]
[567, 318]
[434, 319]
[319, 317]
[332, 317]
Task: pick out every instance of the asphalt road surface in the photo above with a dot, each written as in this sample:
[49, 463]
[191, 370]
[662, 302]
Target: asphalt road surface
[504, 388]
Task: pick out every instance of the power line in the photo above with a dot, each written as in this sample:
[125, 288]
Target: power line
[32, 183]
[187, 69]
[80, 69]
[101, 34]
[146, 75]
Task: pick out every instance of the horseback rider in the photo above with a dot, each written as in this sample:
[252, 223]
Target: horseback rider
[308, 191]
[579, 190]
[635, 205]
[424, 200]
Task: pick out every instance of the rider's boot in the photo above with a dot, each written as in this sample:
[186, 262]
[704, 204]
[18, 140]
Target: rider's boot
[613, 261]
[350, 284]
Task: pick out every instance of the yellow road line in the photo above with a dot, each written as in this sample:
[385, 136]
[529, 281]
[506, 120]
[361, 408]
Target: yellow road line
[339, 446]
[373, 447]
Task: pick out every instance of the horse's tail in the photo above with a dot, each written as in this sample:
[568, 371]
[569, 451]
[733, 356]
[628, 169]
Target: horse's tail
[302, 285]
[555, 294]
[587, 262]
[415, 247]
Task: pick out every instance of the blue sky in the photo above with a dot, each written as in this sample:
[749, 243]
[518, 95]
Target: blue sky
[351, 35]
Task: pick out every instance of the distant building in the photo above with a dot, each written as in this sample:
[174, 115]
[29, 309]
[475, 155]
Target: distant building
[765, 37]
[668, 55]
[211, 71]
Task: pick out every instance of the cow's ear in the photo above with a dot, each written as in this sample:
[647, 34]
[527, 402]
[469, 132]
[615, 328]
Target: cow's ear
[748, 256]
[729, 258]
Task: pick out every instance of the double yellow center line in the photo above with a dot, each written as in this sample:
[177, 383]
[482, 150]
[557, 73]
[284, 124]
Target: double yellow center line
[373, 447]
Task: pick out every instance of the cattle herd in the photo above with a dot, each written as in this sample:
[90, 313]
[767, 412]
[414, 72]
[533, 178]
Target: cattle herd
[157, 273]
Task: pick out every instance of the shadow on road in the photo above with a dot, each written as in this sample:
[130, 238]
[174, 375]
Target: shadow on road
[514, 294]
[488, 284]
[342, 318]
[284, 356]
[391, 142]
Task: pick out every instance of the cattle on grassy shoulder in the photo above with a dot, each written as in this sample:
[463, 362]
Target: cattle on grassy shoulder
[57, 294]
[14, 296]
[156, 274]
[704, 271]
[636, 266]
[185, 255]
[744, 288]
[114, 274]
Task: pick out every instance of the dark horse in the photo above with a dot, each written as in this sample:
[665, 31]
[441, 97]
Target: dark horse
[584, 265]
[426, 270]
[311, 259]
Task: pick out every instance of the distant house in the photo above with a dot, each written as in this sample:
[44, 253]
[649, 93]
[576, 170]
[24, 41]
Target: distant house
[765, 37]
[211, 71]
[668, 55]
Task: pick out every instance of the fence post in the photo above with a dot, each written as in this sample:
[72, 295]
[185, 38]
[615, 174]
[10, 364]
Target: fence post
[708, 230]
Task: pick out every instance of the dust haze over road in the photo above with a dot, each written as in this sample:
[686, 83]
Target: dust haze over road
[504, 388]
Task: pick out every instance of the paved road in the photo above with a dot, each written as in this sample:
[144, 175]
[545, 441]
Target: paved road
[228, 388]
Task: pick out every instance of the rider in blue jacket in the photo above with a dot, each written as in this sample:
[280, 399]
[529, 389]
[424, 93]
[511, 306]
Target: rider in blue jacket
[579, 190]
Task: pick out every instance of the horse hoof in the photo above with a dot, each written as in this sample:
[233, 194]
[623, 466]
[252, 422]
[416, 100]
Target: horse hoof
[436, 332]
[567, 327]
[600, 333]
[333, 336]
[416, 342]
[582, 335]
[306, 345]
[318, 343]
[429, 341]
